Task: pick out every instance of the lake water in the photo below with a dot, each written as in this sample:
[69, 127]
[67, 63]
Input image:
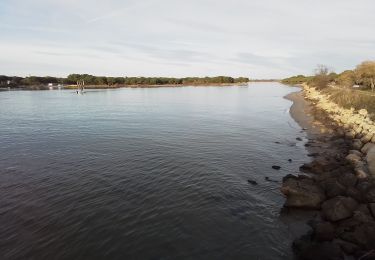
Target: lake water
[146, 173]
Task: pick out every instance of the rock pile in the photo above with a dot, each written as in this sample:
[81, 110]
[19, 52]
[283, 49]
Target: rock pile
[341, 185]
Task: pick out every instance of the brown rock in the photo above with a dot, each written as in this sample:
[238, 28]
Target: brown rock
[370, 195]
[338, 208]
[357, 144]
[353, 158]
[367, 147]
[371, 207]
[362, 235]
[347, 179]
[354, 193]
[333, 188]
[324, 231]
[370, 158]
[346, 246]
[310, 250]
[302, 192]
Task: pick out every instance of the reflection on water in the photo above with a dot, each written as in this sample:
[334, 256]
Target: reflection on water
[157, 173]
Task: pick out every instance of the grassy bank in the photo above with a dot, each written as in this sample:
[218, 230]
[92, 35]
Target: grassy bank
[352, 98]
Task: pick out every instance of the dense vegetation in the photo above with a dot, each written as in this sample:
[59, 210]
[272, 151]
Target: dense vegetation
[339, 87]
[295, 80]
[6, 81]
[363, 75]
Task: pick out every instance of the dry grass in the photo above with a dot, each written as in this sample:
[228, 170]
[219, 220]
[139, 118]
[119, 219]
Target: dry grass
[349, 98]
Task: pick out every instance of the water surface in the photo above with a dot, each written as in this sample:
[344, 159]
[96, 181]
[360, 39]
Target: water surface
[158, 173]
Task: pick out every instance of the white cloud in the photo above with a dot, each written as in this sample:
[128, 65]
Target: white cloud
[259, 38]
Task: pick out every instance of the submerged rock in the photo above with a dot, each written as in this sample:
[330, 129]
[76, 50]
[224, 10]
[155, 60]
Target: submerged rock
[252, 182]
[302, 192]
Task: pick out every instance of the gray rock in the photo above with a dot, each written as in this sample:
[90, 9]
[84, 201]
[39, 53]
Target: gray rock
[356, 152]
[338, 208]
[367, 147]
[302, 192]
[357, 144]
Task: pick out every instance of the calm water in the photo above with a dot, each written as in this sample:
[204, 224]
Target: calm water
[146, 173]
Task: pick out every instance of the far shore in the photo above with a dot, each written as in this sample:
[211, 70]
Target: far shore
[45, 87]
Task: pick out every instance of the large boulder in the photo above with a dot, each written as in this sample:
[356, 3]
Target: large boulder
[347, 179]
[338, 208]
[302, 192]
[333, 188]
[354, 159]
[367, 147]
[357, 144]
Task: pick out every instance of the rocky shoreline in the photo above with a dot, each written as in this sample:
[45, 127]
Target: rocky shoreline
[339, 182]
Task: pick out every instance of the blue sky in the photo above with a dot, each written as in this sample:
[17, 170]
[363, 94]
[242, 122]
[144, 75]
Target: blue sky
[254, 38]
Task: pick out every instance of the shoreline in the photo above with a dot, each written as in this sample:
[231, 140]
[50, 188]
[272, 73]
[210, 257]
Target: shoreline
[69, 87]
[335, 183]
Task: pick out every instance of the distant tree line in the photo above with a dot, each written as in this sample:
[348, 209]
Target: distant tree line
[363, 76]
[101, 80]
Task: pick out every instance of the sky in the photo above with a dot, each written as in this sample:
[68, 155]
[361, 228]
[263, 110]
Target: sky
[178, 38]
